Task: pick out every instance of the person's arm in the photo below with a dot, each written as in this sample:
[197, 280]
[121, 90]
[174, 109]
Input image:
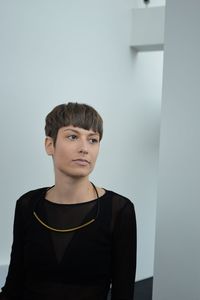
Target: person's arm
[124, 254]
[14, 281]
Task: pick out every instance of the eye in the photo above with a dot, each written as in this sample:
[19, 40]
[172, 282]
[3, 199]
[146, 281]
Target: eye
[94, 141]
[72, 137]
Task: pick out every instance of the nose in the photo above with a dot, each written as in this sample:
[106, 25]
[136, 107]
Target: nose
[83, 147]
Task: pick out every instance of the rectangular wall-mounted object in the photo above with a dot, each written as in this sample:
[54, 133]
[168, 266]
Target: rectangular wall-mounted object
[147, 32]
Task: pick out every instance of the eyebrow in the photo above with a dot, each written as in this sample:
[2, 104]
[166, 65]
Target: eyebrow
[90, 134]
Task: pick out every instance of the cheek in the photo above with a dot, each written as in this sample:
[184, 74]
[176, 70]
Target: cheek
[95, 154]
[61, 153]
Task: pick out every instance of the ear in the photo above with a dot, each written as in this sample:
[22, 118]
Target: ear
[49, 145]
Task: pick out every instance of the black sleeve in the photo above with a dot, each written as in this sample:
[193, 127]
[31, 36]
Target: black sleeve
[124, 254]
[14, 281]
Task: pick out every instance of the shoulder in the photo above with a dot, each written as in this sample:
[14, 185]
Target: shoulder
[30, 197]
[26, 203]
[119, 202]
[123, 212]
[118, 198]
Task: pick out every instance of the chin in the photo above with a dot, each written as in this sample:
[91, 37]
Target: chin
[77, 173]
[80, 174]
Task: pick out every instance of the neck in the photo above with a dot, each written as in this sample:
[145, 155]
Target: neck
[71, 190]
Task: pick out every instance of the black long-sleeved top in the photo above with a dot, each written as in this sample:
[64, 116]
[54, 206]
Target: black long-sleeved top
[77, 265]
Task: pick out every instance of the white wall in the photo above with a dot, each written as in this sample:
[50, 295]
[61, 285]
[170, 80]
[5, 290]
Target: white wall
[177, 266]
[56, 51]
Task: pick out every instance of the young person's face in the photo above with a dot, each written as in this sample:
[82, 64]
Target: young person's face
[75, 151]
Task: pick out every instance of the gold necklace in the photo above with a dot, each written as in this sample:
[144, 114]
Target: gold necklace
[74, 228]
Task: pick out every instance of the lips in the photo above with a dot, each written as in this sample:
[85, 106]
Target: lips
[81, 161]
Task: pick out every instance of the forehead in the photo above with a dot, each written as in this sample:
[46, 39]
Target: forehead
[78, 130]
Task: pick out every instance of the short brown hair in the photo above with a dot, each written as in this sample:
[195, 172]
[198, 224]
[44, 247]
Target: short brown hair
[75, 114]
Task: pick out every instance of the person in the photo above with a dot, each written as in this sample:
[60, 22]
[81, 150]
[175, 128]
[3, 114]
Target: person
[72, 240]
